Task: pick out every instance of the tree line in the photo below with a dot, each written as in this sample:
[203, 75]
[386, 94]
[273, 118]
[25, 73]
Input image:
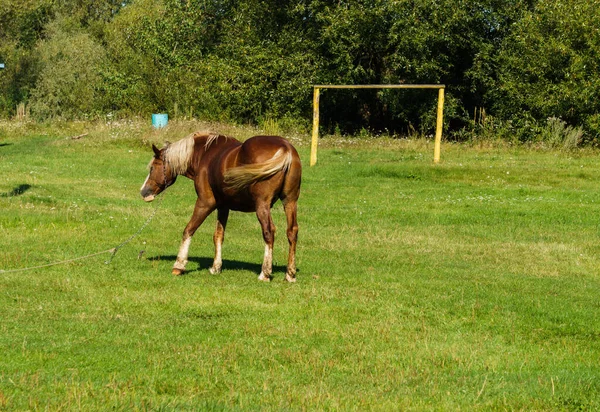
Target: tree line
[513, 66]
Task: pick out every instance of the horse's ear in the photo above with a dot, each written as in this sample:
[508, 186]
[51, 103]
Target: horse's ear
[156, 151]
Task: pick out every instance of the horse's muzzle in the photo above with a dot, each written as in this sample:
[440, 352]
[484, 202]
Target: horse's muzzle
[147, 194]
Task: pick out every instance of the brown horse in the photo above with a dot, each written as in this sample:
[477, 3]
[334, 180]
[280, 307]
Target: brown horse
[230, 175]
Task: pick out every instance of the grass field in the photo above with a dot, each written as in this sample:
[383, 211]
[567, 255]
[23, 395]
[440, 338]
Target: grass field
[472, 284]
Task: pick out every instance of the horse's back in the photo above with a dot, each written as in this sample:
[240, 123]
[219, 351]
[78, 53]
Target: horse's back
[268, 167]
[258, 149]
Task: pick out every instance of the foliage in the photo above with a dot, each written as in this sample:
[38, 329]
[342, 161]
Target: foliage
[559, 135]
[21, 24]
[548, 65]
[523, 61]
[69, 78]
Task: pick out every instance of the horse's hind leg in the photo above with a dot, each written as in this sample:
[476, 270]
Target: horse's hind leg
[200, 213]
[218, 237]
[292, 235]
[263, 213]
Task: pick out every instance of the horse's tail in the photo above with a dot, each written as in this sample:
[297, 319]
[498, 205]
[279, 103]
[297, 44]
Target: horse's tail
[240, 177]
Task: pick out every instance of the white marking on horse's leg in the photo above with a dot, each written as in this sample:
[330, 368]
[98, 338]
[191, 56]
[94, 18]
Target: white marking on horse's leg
[183, 254]
[218, 262]
[267, 267]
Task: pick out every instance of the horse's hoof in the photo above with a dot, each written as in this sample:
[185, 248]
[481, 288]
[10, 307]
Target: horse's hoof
[177, 272]
[214, 271]
[290, 278]
[263, 278]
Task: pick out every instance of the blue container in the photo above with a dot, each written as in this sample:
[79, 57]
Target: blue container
[160, 120]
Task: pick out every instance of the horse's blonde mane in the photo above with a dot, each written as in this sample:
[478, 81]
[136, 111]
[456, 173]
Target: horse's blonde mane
[212, 137]
[179, 154]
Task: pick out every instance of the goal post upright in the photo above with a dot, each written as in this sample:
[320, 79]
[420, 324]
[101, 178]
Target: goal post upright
[439, 126]
[439, 121]
[315, 132]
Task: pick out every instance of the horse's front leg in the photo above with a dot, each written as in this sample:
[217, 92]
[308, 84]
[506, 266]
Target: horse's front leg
[201, 211]
[268, 229]
[223, 215]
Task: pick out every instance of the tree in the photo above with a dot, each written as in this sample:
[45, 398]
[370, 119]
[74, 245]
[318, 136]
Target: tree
[249, 60]
[548, 66]
[21, 26]
[70, 61]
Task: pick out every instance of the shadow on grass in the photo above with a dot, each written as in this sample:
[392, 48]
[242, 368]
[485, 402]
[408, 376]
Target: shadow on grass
[17, 191]
[203, 263]
[5, 144]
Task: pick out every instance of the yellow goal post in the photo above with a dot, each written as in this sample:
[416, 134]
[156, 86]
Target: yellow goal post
[440, 111]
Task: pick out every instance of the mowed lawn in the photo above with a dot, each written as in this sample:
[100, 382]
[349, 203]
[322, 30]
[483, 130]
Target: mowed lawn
[472, 284]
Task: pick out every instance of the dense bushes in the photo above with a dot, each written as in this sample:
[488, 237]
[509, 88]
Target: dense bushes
[523, 61]
[549, 66]
[68, 78]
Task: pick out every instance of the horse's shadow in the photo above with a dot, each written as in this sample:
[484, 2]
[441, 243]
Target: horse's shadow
[17, 191]
[5, 144]
[203, 263]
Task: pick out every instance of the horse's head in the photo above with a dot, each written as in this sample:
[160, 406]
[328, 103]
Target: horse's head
[159, 177]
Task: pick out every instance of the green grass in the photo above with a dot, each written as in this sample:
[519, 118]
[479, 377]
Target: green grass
[472, 284]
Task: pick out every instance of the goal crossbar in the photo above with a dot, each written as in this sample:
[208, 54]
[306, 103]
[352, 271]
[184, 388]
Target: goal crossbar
[440, 111]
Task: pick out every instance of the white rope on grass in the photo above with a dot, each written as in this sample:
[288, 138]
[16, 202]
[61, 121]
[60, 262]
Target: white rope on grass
[62, 262]
[113, 251]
